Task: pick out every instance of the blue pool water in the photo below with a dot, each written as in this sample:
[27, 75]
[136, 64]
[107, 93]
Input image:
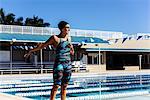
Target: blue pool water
[81, 88]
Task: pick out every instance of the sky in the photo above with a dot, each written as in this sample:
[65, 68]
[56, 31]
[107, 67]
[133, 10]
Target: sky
[127, 16]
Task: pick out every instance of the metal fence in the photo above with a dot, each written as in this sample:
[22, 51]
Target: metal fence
[50, 31]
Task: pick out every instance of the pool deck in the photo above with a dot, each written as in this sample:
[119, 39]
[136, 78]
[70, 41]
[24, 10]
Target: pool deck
[142, 97]
[76, 74]
[12, 97]
[4, 96]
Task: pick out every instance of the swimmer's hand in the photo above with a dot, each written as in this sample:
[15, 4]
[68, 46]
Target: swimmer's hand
[72, 52]
[27, 54]
[71, 49]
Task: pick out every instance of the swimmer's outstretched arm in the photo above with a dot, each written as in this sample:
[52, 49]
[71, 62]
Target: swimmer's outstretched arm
[50, 41]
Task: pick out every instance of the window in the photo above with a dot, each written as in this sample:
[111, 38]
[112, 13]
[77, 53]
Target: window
[96, 60]
[89, 59]
[102, 58]
[93, 58]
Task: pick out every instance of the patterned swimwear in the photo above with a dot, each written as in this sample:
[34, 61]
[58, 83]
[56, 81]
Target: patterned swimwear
[62, 67]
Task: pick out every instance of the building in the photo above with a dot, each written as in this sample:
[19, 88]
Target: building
[95, 51]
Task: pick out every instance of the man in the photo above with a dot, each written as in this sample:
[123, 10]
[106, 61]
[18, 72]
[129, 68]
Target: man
[62, 66]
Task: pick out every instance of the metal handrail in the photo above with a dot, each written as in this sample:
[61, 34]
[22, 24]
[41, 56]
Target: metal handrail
[50, 31]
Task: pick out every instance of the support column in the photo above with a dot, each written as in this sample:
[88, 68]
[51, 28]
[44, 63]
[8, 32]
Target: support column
[148, 58]
[41, 58]
[11, 50]
[99, 53]
[140, 62]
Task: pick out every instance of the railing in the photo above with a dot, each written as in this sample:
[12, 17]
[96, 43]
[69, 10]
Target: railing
[145, 36]
[50, 31]
[21, 68]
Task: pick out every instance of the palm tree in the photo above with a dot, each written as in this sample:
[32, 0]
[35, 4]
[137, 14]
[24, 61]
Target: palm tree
[36, 21]
[8, 19]
[46, 24]
[2, 16]
[41, 23]
[19, 21]
[28, 22]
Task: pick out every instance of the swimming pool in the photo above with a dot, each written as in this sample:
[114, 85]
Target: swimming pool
[88, 87]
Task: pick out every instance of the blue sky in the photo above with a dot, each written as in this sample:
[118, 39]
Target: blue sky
[128, 16]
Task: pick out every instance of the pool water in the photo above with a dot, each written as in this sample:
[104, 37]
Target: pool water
[81, 88]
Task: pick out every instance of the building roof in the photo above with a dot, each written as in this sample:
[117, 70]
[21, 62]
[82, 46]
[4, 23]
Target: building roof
[118, 49]
[87, 40]
[17, 37]
[42, 38]
[22, 37]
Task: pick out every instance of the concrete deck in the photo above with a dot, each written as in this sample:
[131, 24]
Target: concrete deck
[143, 97]
[4, 96]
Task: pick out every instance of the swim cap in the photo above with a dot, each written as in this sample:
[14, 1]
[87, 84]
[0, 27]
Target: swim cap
[62, 24]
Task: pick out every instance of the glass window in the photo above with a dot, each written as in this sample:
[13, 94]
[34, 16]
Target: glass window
[96, 60]
[89, 59]
[102, 59]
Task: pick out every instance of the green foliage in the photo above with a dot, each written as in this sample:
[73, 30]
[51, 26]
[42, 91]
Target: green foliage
[10, 19]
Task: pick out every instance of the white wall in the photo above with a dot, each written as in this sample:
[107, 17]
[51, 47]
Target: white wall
[4, 56]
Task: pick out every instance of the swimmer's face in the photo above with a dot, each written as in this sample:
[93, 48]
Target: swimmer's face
[66, 29]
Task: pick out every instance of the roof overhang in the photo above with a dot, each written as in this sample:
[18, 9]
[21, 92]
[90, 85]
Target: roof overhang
[17, 37]
[117, 49]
